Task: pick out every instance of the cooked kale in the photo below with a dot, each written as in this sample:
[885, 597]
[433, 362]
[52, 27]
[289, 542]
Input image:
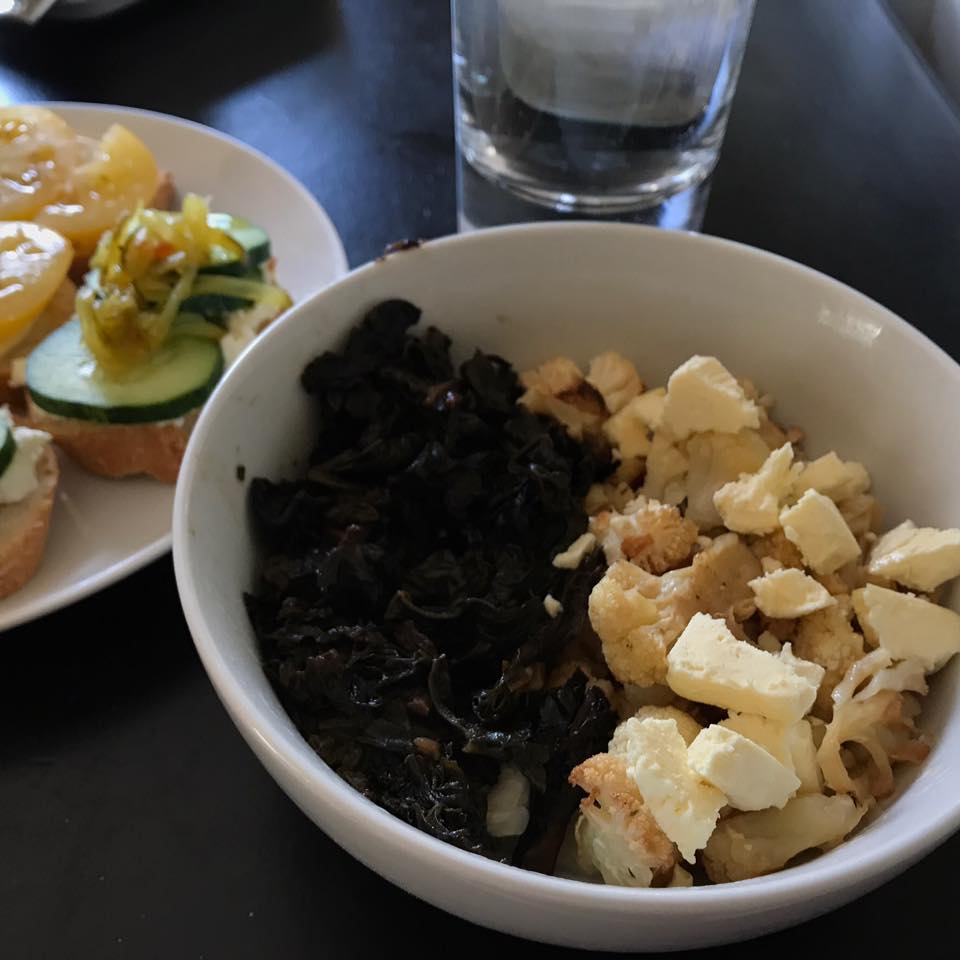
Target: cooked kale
[399, 607]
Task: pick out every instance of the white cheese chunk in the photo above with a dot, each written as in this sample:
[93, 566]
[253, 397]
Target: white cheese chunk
[752, 503]
[703, 395]
[752, 778]
[817, 528]
[810, 671]
[917, 557]
[907, 626]
[572, 557]
[685, 808]
[708, 664]
[833, 477]
[772, 736]
[784, 594]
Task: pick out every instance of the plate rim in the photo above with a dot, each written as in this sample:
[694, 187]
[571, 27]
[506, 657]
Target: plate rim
[50, 602]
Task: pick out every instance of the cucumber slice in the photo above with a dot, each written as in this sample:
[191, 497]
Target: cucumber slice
[8, 446]
[63, 379]
[255, 242]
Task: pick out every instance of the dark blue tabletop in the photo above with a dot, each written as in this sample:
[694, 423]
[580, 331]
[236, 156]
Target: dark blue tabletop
[133, 820]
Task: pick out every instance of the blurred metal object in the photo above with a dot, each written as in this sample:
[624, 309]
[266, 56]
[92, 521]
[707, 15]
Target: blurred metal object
[26, 11]
[30, 11]
[88, 9]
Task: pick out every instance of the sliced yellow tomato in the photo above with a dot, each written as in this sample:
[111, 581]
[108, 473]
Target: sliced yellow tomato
[121, 174]
[37, 153]
[33, 263]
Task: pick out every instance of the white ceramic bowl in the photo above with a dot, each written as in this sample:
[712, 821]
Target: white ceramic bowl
[858, 378]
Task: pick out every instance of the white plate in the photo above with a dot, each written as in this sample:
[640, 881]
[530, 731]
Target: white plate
[103, 530]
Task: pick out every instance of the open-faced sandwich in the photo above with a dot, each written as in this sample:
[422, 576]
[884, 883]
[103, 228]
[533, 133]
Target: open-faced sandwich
[28, 481]
[169, 300]
[73, 184]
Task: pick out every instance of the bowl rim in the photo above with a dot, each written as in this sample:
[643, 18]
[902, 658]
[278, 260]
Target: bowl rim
[820, 875]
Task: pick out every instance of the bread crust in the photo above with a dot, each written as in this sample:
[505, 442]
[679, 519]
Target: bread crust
[117, 450]
[24, 527]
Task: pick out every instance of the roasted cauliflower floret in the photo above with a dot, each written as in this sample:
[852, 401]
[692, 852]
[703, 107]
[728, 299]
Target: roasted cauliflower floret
[686, 725]
[616, 834]
[558, 389]
[753, 844]
[776, 546]
[607, 496]
[650, 534]
[638, 616]
[615, 378]
[827, 638]
[624, 616]
[667, 467]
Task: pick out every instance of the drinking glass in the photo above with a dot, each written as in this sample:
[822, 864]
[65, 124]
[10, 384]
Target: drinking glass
[592, 108]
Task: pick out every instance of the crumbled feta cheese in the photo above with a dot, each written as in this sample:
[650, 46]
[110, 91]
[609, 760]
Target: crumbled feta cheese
[833, 477]
[908, 626]
[772, 736]
[715, 460]
[810, 671]
[703, 395]
[615, 378]
[752, 778]
[508, 803]
[552, 605]
[788, 593]
[685, 807]
[752, 503]
[816, 527]
[708, 664]
[572, 557]
[917, 557]
[19, 479]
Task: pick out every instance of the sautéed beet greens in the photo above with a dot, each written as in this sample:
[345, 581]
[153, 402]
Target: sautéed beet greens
[399, 607]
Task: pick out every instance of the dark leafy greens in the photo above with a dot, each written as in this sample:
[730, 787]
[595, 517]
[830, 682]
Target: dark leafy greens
[400, 603]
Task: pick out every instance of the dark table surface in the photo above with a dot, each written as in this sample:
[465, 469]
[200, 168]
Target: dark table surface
[133, 820]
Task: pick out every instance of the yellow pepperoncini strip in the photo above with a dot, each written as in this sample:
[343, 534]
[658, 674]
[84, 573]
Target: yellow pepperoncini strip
[141, 273]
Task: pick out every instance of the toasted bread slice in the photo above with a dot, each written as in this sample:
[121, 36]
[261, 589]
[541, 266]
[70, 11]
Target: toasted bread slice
[24, 526]
[118, 450]
[56, 313]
